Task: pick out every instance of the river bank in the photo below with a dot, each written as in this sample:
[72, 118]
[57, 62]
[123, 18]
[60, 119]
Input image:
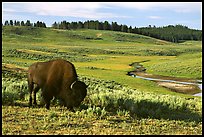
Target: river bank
[181, 85]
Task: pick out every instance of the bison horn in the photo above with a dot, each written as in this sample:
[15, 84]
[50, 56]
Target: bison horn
[73, 84]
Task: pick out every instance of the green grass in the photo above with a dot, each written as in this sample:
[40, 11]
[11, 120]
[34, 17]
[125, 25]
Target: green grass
[116, 103]
[60, 121]
[109, 106]
[184, 65]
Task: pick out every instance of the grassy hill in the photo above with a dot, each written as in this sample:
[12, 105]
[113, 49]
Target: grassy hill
[116, 103]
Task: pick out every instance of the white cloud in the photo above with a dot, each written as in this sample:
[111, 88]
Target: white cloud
[175, 6]
[135, 5]
[72, 9]
[97, 10]
[92, 9]
[154, 17]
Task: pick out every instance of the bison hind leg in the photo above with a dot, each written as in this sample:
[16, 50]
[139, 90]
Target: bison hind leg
[30, 87]
[35, 91]
[42, 102]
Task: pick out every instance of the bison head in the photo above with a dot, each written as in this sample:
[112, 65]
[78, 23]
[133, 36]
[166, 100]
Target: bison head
[78, 91]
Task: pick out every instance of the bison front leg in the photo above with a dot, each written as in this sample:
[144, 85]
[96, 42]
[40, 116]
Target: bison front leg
[71, 109]
[47, 105]
[67, 101]
[47, 98]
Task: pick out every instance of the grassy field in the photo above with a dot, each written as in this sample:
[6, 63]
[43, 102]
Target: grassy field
[116, 103]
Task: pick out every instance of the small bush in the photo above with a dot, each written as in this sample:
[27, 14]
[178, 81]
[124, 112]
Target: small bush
[13, 90]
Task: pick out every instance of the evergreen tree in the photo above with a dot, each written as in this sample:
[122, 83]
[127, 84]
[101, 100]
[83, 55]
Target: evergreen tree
[80, 25]
[97, 25]
[43, 25]
[28, 23]
[54, 25]
[22, 23]
[130, 30]
[124, 28]
[64, 25]
[106, 26]
[73, 25]
[15, 23]
[11, 22]
[6, 23]
[115, 26]
[18, 23]
[100, 26]
[86, 24]
[92, 24]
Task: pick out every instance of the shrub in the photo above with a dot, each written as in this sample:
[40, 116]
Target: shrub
[108, 96]
[13, 89]
[142, 104]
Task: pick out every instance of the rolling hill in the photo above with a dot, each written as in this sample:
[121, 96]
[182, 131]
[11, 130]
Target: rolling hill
[116, 103]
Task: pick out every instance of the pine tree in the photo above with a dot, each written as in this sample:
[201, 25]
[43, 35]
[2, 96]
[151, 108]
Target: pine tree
[106, 25]
[124, 28]
[86, 24]
[80, 25]
[130, 30]
[28, 23]
[54, 25]
[100, 26]
[18, 23]
[15, 23]
[11, 22]
[22, 23]
[115, 27]
[6, 23]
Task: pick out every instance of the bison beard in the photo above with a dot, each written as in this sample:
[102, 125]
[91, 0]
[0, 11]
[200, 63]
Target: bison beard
[56, 78]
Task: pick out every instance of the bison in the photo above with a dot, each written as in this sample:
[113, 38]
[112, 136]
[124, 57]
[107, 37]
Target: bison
[56, 78]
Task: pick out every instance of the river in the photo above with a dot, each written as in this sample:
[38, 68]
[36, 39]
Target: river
[139, 68]
[173, 81]
[199, 94]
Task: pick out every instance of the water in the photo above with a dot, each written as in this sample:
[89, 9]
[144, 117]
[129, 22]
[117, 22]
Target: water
[164, 80]
[199, 94]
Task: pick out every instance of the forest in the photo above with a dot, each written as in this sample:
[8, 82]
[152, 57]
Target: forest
[173, 33]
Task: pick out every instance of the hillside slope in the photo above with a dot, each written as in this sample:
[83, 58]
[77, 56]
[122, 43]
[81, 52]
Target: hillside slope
[115, 103]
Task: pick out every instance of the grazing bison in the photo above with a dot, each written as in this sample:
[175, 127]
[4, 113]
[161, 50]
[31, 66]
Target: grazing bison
[56, 78]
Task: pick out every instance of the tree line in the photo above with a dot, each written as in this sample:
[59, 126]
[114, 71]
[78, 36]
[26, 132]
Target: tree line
[177, 33]
[91, 24]
[172, 33]
[22, 23]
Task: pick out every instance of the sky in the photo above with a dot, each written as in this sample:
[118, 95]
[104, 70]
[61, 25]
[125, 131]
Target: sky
[139, 14]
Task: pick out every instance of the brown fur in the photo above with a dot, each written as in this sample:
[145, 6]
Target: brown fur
[55, 78]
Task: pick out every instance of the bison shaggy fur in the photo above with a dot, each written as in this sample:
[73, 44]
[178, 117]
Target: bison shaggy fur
[56, 78]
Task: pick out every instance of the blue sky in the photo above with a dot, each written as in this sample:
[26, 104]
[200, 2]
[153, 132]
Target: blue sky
[139, 14]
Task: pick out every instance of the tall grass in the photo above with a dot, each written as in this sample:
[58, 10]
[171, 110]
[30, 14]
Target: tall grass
[109, 96]
[185, 65]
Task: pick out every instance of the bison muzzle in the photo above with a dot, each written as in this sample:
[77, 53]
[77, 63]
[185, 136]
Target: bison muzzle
[56, 78]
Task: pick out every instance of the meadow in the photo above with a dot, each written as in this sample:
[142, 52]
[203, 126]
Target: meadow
[116, 103]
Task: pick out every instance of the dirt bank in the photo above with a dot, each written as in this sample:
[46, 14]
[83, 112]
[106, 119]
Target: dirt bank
[181, 88]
